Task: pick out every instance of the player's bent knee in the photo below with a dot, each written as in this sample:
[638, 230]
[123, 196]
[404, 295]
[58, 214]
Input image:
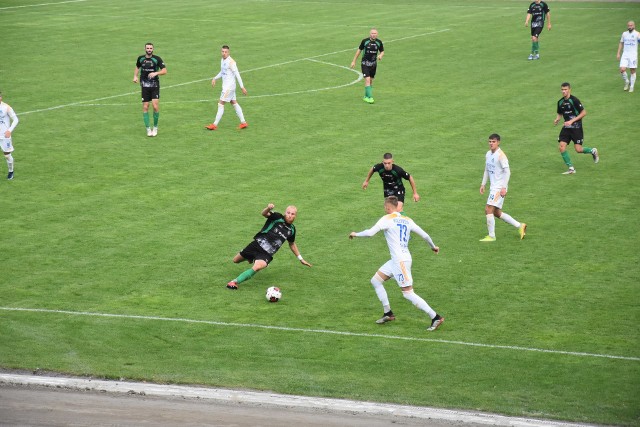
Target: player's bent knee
[376, 280]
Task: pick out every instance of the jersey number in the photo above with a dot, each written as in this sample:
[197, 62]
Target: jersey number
[403, 232]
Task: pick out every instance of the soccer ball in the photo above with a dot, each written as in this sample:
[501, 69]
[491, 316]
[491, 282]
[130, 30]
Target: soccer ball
[273, 294]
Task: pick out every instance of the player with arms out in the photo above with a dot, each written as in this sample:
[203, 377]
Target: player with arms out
[8, 122]
[229, 74]
[397, 228]
[392, 176]
[150, 66]
[629, 59]
[537, 12]
[276, 230]
[497, 171]
[372, 50]
[571, 111]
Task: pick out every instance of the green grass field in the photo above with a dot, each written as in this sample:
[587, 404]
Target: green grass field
[101, 219]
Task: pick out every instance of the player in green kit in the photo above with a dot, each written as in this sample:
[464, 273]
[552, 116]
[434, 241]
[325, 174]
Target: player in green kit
[537, 12]
[372, 51]
[149, 67]
[571, 112]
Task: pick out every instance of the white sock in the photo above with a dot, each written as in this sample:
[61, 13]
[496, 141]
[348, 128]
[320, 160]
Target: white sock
[624, 77]
[491, 225]
[378, 286]
[419, 302]
[633, 80]
[219, 114]
[9, 158]
[509, 220]
[238, 109]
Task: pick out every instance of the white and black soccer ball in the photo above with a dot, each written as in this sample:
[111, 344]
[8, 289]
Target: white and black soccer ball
[273, 294]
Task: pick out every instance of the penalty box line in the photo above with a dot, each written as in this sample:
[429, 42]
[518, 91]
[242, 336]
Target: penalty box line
[318, 331]
[309, 58]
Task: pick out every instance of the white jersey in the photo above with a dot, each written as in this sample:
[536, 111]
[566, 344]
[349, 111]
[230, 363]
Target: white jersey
[630, 41]
[8, 119]
[397, 228]
[497, 169]
[229, 73]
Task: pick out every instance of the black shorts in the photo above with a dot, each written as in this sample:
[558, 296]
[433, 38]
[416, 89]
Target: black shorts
[253, 251]
[149, 93]
[398, 192]
[570, 134]
[536, 31]
[368, 71]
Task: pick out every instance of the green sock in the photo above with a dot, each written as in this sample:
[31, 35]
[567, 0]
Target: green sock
[368, 92]
[536, 47]
[156, 116]
[145, 117]
[586, 150]
[245, 275]
[533, 47]
[567, 160]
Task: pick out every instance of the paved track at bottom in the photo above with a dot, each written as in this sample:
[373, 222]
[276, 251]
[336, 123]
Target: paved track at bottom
[34, 400]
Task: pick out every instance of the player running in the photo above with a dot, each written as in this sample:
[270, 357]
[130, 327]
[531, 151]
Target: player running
[397, 228]
[571, 111]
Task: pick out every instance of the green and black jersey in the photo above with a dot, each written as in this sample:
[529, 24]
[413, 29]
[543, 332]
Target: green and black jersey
[149, 65]
[274, 233]
[370, 49]
[391, 180]
[570, 108]
[538, 12]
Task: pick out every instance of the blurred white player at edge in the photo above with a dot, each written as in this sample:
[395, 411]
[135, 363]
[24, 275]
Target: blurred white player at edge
[229, 74]
[397, 228]
[8, 122]
[629, 59]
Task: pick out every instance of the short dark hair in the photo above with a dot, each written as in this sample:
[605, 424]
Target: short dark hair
[566, 84]
[387, 156]
[224, 46]
[392, 200]
[147, 44]
[494, 136]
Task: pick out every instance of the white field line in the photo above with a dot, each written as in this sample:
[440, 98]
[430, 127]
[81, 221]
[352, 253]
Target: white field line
[309, 58]
[319, 331]
[41, 4]
[253, 96]
[285, 401]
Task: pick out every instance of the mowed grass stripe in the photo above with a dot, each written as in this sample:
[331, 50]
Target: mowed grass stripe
[318, 331]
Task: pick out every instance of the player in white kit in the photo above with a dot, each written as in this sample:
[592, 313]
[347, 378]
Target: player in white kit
[8, 122]
[229, 74]
[397, 228]
[629, 59]
[497, 171]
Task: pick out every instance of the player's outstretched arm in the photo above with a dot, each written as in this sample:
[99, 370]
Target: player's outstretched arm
[296, 252]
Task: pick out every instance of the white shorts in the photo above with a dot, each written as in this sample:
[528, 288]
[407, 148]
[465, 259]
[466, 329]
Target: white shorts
[628, 62]
[495, 199]
[401, 271]
[228, 95]
[7, 146]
